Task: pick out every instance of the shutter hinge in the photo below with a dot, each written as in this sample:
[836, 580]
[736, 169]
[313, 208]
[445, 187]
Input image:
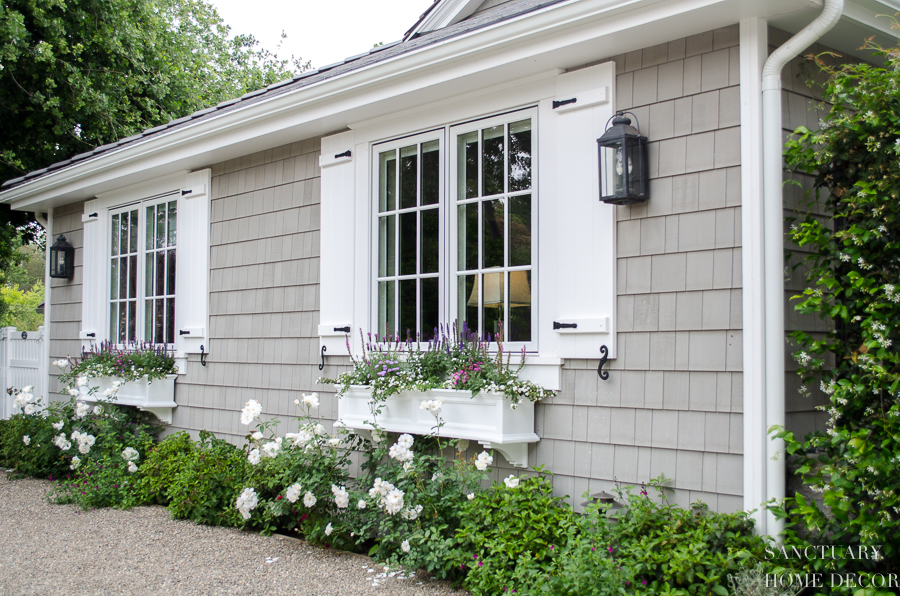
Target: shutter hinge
[558, 325]
[563, 102]
[344, 154]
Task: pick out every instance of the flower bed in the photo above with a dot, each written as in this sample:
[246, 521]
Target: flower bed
[485, 417]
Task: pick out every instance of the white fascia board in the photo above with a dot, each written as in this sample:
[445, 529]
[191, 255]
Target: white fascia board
[517, 42]
[870, 19]
[444, 14]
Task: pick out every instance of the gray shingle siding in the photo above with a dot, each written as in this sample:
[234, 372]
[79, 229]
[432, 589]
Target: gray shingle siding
[65, 295]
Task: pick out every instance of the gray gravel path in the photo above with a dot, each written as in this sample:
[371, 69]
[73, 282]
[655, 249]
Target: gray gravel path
[60, 549]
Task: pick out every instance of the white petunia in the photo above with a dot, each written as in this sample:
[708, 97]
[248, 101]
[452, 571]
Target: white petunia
[247, 502]
[341, 496]
[293, 492]
[328, 529]
[483, 461]
[405, 441]
[511, 481]
[309, 499]
[405, 546]
[26, 439]
[58, 425]
[253, 457]
[361, 504]
[130, 454]
[251, 411]
[311, 400]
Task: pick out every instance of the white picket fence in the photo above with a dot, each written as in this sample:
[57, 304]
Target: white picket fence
[21, 364]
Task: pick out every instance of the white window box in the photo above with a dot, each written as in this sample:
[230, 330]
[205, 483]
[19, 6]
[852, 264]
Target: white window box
[157, 397]
[486, 418]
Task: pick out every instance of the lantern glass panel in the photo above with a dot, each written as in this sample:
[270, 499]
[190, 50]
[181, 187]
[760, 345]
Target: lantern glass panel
[635, 169]
[612, 179]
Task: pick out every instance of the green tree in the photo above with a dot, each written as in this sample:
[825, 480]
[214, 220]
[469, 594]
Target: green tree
[75, 74]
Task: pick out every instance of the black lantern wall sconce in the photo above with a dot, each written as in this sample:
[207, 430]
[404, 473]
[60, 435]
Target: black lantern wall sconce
[62, 258]
[624, 163]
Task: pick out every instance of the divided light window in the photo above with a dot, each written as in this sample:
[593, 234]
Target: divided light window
[142, 272]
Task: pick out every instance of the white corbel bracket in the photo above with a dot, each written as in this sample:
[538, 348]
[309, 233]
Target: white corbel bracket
[515, 453]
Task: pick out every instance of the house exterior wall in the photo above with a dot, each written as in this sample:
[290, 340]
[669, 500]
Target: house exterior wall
[65, 296]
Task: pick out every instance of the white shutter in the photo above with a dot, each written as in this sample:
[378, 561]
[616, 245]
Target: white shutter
[578, 235]
[95, 286]
[192, 264]
[336, 269]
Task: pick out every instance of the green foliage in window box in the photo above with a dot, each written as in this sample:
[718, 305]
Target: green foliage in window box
[456, 359]
[133, 362]
[852, 229]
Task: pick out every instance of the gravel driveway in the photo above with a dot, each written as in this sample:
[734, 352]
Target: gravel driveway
[60, 549]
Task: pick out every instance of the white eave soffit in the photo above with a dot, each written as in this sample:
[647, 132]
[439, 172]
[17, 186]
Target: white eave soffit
[445, 13]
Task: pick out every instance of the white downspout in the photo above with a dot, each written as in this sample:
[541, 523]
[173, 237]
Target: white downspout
[45, 359]
[773, 208]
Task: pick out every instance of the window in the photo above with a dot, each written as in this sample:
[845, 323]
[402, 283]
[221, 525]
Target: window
[465, 254]
[142, 272]
[146, 264]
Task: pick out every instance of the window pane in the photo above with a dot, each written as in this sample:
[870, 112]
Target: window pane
[132, 276]
[148, 275]
[493, 233]
[519, 306]
[148, 320]
[467, 299]
[149, 227]
[468, 237]
[386, 243]
[114, 249]
[113, 325]
[160, 226]
[431, 165]
[494, 302]
[113, 279]
[123, 277]
[409, 161]
[407, 309]
[387, 180]
[492, 160]
[430, 241]
[133, 232]
[408, 236]
[468, 165]
[520, 155]
[173, 217]
[159, 320]
[520, 231]
[429, 306]
[123, 323]
[132, 319]
[170, 272]
[123, 233]
[170, 320]
[386, 320]
[160, 273]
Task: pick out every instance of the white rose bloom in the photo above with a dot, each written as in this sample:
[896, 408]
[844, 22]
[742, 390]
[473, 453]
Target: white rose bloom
[27, 388]
[252, 410]
[296, 402]
[84, 448]
[76, 461]
[130, 454]
[26, 439]
[433, 406]
[405, 441]
[117, 384]
[400, 453]
[247, 502]
[334, 442]
[393, 501]
[311, 400]
[341, 496]
[483, 461]
[81, 410]
[61, 442]
[309, 499]
[405, 546]
[253, 456]
[73, 392]
[407, 466]
[319, 429]
[29, 409]
[58, 425]
[81, 381]
[328, 529]
[271, 448]
[361, 504]
[470, 496]
[61, 363]
[511, 481]
[411, 513]
[256, 436]
[437, 477]
[97, 410]
[293, 492]
[132, 467]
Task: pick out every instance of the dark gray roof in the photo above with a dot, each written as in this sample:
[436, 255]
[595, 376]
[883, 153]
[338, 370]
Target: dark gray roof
[381, 53]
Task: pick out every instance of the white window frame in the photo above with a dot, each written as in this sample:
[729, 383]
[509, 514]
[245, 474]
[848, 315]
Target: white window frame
[192, 193]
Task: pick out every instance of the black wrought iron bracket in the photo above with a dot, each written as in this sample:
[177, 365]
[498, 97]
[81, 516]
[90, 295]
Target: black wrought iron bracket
[344, 154]
[558, 325]
[564, 102]
[604, 374]
[203, 356]
[322, 364]
[343, 329]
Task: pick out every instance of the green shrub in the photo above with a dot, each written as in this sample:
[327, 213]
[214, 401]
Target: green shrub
[164, 460]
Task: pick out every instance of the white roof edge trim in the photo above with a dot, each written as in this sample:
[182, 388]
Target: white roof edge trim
[444, 14]
[864, 16]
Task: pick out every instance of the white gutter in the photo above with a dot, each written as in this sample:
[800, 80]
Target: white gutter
[773, 206]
